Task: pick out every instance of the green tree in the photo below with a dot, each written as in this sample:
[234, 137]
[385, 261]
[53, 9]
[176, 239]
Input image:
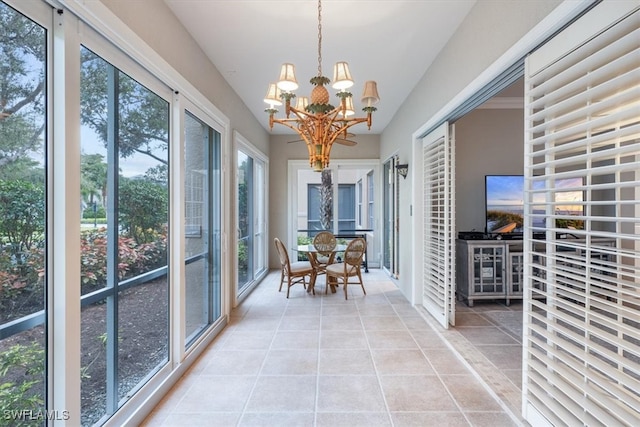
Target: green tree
[143, 208]
[142, 114]
[22, 59]
[93, 184]
[158, 174]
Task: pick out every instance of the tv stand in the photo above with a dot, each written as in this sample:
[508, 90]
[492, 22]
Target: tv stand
[489, 270]
[493, 269]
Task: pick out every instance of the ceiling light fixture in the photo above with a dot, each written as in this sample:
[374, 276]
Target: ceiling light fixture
[319, 123]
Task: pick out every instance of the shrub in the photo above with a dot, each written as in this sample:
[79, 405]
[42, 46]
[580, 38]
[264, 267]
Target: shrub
[143, 208]
[21, 285]
[99, 213]
[21, 216]
[133, 258]
[22, 380]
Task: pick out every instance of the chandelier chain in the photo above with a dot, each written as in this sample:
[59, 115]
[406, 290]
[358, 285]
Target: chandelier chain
[319, 123]
[319, 38]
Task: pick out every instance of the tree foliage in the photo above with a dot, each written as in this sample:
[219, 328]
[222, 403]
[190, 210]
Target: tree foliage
[142, 115]
[21, 214]
[22, 84]
[93, 184]
[143, 208]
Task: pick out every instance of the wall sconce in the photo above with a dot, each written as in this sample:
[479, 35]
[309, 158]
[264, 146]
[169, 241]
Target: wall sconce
[403, 170]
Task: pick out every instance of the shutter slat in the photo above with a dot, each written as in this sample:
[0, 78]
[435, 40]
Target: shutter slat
[582, 330]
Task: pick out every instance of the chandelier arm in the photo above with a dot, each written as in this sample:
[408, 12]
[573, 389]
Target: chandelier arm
[348, 123]
[303, 124]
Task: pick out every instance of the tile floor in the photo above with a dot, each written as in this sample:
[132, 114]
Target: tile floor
[371, 360]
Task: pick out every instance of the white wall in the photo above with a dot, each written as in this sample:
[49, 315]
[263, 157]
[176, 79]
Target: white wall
[488, 142]
[488, 31]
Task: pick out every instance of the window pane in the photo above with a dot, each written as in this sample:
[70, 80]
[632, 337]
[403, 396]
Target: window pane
[202, 226]
[245, 217]
[370, 210]
[124, 185]
[346, 207]
[22, 214]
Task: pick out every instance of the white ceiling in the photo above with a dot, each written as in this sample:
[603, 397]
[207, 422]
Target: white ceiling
[390, 41]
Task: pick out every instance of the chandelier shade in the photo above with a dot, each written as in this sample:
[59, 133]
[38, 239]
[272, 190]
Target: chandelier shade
[348, 110]
[341, 76]
[287, 81]
[319, 123]
[302, 103]
[273, 95]
[370, 93]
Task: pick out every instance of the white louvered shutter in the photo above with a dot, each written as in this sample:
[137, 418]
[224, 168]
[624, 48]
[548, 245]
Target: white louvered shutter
[582, 193]
[438, 269]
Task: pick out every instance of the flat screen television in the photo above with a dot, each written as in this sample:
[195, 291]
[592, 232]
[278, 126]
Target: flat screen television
[504, 202]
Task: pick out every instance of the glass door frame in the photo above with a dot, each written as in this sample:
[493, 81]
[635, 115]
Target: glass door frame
[258, 212]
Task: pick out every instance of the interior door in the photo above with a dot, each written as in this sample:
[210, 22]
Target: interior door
[438, 225]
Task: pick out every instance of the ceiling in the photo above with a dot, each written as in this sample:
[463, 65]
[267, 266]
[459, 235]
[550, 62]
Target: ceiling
[390, 41]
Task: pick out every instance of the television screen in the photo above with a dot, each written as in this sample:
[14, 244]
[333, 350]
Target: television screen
[504, 201]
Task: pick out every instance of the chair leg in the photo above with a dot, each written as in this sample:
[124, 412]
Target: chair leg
[312, 284]
[288, 287]
[361, 282]
[281, 280]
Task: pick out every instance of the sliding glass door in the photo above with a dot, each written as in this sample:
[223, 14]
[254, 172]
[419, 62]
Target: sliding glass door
[23, 211]
[390, 225]
[202, 190]
[124, 256]
[251, 184]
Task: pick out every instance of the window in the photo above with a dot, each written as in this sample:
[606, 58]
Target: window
[124, 271]
[359, 201]
[390, 191]
[202, 227]
[370, 198]
[23, 209]
[346, 207]
[251, 196]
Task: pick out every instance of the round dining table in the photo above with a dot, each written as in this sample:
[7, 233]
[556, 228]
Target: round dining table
[312, 252]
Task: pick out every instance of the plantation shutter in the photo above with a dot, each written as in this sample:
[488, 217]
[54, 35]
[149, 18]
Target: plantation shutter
[438, 267]
[582, 295]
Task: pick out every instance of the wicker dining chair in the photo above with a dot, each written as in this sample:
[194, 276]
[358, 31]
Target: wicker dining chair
[294, 272]
[349, 267]
[325, 243]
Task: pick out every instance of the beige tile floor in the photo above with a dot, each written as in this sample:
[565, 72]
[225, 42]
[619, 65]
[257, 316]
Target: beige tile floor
[370, 360]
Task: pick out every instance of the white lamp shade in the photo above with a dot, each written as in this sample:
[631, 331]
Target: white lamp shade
[349, 110]
[273, 95]
[370, 94]
[301, 103]
[287, 80]
[341, 76]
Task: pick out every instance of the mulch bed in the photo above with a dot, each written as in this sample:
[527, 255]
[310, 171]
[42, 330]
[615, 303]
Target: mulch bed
[142, 344]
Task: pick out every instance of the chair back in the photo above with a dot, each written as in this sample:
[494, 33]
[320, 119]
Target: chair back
[282, 253]
[325, 242]
[355, 252]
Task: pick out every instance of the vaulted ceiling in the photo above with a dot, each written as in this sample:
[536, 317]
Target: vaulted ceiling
[390, 41]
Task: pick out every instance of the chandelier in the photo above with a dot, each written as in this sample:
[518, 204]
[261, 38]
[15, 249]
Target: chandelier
[319, 123]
